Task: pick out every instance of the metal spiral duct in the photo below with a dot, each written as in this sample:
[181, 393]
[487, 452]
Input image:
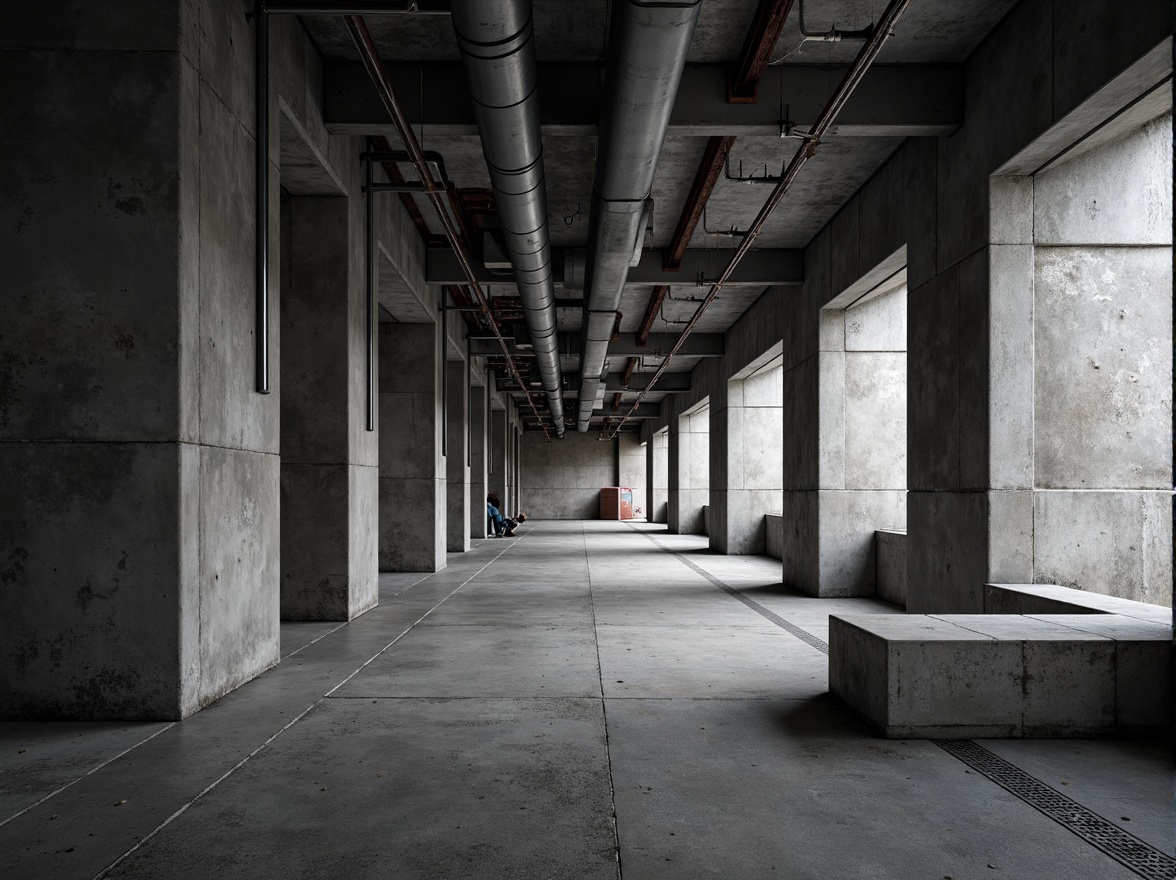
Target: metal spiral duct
[648, 44]
[498, 53]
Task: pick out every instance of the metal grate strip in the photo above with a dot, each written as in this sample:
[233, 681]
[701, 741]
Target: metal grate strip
[806, 637]
[1125, 848]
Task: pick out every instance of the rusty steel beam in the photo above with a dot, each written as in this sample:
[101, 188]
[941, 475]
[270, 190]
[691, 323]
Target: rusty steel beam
[708, 172]
[744, 79]
[651, 310]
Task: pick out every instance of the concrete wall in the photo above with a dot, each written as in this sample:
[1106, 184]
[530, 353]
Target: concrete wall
[562, 478]
[774, 536]
[480, 458]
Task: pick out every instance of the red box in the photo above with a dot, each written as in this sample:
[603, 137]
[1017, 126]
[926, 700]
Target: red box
[616, 502]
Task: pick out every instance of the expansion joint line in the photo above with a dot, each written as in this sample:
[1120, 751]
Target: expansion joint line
[106, 871]
[807, 637]
[612, 789]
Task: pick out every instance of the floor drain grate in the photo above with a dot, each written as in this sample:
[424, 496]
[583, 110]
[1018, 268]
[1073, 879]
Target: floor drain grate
[1142, 858]
[806, 637]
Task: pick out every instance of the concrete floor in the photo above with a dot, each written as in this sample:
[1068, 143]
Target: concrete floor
[491, 720]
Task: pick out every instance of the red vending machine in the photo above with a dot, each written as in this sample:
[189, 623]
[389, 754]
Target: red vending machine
[616, 502]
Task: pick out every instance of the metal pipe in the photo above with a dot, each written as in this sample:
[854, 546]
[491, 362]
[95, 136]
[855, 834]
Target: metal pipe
[370, 257]
[498, 53]
[648, 44]
[261, 214]
[360, 7]
[438, 196]
[840, 96]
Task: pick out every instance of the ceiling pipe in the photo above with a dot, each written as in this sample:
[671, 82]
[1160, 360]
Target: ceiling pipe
[648, 43]
[841, 95]
[498, 53]
[436, 193]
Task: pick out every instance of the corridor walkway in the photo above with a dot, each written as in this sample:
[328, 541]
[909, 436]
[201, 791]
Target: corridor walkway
[588, 700]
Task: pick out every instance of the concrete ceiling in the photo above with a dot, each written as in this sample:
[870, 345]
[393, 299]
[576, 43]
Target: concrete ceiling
[931, 32]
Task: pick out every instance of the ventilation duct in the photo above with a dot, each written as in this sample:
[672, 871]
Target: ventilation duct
[498, 53]
[648, 44]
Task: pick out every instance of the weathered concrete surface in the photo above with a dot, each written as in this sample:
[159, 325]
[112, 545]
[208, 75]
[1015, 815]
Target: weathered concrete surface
[692, 491]
[457, 470]
[563, 478]
[329, 473]
[128, 366]
[412, 469]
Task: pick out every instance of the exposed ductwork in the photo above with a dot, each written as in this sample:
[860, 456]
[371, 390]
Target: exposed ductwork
[498, 53]
[648, 44]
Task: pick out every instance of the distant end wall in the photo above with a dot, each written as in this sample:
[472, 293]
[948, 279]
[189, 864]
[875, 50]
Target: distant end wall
[562, 479]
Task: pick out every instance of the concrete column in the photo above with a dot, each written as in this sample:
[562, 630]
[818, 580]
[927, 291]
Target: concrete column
[673, 469]
[479, 403]
[139, 467]
[412, 469]
[457, 470]
[329, 473]
[657, 476]
[497, 479]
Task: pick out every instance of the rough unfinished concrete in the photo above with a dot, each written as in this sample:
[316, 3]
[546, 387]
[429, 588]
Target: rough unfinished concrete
[391, 741]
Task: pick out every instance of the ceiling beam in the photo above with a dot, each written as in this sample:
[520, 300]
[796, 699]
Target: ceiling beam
[671, 383]
[743, 85]
[625, 345]
[699, 266]
[892, 101]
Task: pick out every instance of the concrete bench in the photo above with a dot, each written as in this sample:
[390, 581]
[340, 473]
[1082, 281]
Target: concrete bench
[990, 675]
[1051, 599]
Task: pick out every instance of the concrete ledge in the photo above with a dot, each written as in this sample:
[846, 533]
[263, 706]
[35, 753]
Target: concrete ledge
[1051, 599]
[890, 565]
[979, 675]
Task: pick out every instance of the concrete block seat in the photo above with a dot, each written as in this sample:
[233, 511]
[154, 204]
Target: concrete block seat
[1052, 599]
[1003, 675]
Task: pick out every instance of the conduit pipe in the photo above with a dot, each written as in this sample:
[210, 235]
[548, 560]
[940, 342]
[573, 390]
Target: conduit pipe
[498, 53]
[841, 95]
[436, 193]
[648, 43]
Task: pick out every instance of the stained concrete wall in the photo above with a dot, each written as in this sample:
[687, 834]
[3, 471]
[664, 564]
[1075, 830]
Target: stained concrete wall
[562, 478]
[412, 468]
[498, 479]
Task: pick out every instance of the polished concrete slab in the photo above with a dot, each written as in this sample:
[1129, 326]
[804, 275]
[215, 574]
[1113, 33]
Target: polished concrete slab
[574, 702]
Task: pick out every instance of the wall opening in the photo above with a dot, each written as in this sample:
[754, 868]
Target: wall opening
[659, 477]
[693, 494]
[754, 487]
[1081, 337]
[863, 438]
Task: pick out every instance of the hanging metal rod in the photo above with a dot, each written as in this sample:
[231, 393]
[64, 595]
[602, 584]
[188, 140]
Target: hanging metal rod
[438, 195]
[844, 90]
